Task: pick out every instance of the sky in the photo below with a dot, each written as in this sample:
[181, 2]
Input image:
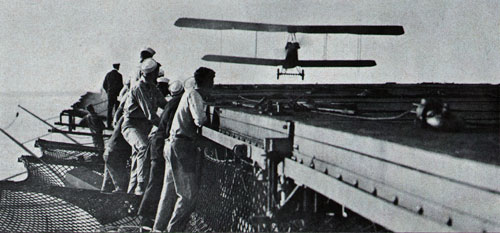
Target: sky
[62, 45]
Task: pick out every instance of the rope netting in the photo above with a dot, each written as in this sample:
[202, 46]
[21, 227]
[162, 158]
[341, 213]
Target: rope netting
[65, 151]
[232, 197]
[46, 201]
[55, 173]
[44, 173]
[30, 211]
[31, 208]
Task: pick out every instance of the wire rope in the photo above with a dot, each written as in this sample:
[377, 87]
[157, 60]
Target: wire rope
[365, 117]
[12, 122]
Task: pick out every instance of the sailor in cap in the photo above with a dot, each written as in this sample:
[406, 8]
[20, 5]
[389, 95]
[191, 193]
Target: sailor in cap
[180, 185]
[139, 113]
[149, 203]
[144, 55]
[147, 53]
[162, 82]
[175, 88]
[134, 78]
[113, 83]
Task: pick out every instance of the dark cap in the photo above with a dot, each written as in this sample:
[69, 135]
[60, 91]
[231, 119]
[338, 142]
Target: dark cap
[149, 50]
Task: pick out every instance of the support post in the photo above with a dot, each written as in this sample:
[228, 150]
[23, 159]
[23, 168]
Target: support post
[272, 161]
[276, 150]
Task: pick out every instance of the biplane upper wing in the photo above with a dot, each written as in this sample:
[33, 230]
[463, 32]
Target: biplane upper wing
[243, 60]
[346, 29]
[336, 63]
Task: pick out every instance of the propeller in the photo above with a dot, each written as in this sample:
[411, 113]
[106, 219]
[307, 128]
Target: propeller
[280, 51]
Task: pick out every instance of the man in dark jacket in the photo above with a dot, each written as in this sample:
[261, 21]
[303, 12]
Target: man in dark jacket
[113, 83]
[151, 197]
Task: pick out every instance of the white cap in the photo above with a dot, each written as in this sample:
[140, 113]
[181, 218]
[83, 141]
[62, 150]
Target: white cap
[148, 66]
[163, 80]
[175, 87]
[189, 83]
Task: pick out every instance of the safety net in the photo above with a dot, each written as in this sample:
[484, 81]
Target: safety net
[232, 197]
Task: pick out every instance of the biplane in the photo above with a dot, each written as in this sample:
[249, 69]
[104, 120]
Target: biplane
[292, 46]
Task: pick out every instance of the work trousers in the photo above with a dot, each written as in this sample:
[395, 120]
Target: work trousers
[135, 132]
[115, 158]
[180, 185]
[107, 182]
[112, 106]
[98, 141]
[149, 203]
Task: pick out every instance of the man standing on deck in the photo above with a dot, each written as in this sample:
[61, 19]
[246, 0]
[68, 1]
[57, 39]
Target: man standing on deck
[145, 53]
[149, 203]
[139, 115]
[96, 127]
[94, 122]
[115, 157]
[181, 174]
[117, 149]
[113, 83]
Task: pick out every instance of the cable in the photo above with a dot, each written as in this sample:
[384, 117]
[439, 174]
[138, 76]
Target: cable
[251, 100]
[14, 176]
[102, 111]
[358, 56]
[50, 118]
[255, 44]
[100, 102]
[325, 48]
[60, 128]
[359, 48]
[12, 122]
[36, 138]
[365, 117]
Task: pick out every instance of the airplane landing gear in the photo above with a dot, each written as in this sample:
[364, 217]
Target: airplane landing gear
[299, 73]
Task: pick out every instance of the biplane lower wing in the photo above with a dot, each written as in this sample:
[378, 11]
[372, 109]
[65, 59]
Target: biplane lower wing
[243, 60]
[336, 63]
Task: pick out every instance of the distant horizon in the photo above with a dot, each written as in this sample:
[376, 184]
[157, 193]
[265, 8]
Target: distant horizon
[44, 93]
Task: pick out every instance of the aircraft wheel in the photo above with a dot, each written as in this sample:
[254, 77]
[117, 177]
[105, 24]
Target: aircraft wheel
[303, 74]
[278, 74]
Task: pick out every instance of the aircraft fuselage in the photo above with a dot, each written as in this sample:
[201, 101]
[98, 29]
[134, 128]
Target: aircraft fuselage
[292, 55]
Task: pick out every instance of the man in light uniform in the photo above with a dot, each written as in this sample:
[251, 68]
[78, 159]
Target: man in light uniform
[139, 113]
[180, 184]
[149, 203]
[132, 81]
